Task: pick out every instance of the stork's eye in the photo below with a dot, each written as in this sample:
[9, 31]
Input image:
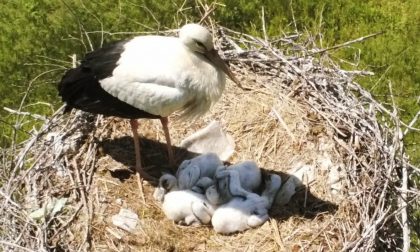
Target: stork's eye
[165, 184]
[201, 45]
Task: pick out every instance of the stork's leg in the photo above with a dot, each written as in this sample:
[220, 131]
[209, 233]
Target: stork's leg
[134, 126]
[164, 121]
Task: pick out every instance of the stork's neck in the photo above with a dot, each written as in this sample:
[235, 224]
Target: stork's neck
[206, 85]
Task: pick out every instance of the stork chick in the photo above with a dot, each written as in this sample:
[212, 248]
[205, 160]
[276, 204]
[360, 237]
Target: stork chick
[236, 180]
[186, 207]
[191, 171]
[242, 213]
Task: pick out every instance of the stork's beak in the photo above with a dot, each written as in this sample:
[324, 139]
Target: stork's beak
[214, 57]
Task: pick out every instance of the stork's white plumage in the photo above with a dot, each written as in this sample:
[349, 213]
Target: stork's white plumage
[149, 77]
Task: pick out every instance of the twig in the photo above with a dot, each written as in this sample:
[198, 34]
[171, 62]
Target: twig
[347, 43]
[140, 185]
[281, 121]
[368, 96]
[208, 10]
[293, 16]
[16, 246]
[411, 124]
[277, 235]
[263, 25]
[35, 116]
[8, 199]
[417, 169]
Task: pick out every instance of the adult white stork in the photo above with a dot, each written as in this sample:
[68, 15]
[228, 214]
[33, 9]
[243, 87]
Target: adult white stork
[149, 77]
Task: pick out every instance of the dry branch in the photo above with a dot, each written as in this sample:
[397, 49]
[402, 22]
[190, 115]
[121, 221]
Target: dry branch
[347, 43]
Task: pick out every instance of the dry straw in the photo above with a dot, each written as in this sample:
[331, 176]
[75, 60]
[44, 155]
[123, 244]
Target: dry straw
[296, 110]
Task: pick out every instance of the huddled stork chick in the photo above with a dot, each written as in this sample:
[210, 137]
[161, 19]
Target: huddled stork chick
[202, 185]
[186, 207]
[242, 213]
[191, 171]
[236, 180]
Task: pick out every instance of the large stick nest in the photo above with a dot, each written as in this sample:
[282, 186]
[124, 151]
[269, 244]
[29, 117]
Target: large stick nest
[297, 111]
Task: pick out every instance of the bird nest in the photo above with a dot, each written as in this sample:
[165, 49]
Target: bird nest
[74, 173]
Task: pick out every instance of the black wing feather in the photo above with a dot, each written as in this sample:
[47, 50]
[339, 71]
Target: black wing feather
[80, 87]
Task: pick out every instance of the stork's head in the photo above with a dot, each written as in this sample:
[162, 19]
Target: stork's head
[196, 37]
[199, 39]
